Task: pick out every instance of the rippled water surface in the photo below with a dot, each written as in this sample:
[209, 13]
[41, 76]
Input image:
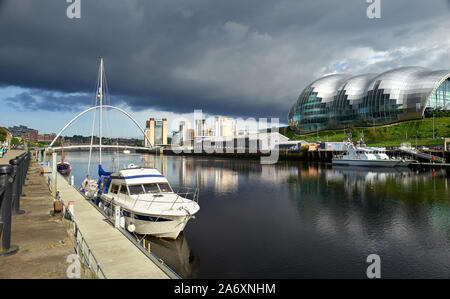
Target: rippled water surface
[293, 220]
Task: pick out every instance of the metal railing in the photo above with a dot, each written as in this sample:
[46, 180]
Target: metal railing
[182, 193]
[12, 180]
[82, 248]
[422, 155]
[186, 193]
[139, 243]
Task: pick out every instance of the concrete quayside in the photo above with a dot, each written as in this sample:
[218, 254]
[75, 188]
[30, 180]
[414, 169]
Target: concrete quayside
[67, 227]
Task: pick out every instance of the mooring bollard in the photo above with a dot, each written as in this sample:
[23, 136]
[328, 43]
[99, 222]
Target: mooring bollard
[20, 175]
[26, 158]
[5, 211]
[15, 194]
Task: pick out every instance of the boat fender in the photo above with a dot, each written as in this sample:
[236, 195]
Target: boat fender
[131, 228]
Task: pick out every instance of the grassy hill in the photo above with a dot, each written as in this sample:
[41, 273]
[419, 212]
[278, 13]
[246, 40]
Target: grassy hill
[389, 135]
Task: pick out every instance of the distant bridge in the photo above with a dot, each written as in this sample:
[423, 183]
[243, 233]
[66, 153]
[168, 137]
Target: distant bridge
[87, 146]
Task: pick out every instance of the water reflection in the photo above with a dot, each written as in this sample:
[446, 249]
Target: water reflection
[293, 220]
[176, 254]
[395, 211]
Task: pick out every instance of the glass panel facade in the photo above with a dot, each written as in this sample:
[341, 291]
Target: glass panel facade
[158, 132]
[339, 100]
[440, 99]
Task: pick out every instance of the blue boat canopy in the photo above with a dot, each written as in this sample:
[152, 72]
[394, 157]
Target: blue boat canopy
[101, 172]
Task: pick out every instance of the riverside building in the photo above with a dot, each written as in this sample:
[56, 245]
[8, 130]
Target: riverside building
[339, 100]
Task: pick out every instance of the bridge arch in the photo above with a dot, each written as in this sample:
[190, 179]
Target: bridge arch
[96, 107]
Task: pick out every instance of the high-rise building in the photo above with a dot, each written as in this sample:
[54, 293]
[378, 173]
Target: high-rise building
[228, 127]
[224, 127]
[185, 133]
[217, 126]
[200, 127]
[156, 131]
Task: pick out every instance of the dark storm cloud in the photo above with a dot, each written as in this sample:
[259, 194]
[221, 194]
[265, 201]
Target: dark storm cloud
[235, 57]
[36, 99]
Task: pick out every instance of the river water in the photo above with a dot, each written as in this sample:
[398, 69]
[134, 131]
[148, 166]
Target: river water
[293, 220]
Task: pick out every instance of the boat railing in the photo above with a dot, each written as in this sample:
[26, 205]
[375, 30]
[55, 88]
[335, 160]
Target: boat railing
[189, 193]
[182, 193]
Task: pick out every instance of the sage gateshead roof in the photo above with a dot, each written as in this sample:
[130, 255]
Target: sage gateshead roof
[340, 100]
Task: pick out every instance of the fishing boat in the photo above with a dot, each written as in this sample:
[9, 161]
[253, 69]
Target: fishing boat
[143, 196]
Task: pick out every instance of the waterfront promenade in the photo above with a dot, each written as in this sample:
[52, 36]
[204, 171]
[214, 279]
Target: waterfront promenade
[47, 243]
[44, 244]
[9, 155]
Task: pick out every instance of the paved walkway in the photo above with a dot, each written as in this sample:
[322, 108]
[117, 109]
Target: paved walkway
[43, 242]
[9, 155]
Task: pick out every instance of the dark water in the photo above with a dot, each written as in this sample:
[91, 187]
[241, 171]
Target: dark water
[292, 220]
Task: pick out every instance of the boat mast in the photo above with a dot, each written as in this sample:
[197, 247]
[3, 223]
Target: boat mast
[63, 157]
[100, 95]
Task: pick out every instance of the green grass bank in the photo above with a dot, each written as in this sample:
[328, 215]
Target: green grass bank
[418, 132]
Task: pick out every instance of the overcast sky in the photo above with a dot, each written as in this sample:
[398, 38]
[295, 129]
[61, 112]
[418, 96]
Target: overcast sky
[237, 58]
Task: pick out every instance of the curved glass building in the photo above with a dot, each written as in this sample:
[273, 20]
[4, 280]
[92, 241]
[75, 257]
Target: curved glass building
[338, 100]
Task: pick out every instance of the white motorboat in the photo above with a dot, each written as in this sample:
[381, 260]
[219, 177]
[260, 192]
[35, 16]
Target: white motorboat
[147, 201]
[368, 156]
[143, 196]
[126, 151]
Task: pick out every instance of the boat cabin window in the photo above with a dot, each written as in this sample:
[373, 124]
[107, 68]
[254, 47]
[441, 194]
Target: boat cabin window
[151, 188]
[135, 189]
[114, 189]
[124, 190]
[164, 187]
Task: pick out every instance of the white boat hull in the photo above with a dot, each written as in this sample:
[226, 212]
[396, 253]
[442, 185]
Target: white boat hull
[149, 224]
[161, 229]
[376, 163]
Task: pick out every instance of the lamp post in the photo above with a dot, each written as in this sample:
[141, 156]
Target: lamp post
[433, 124]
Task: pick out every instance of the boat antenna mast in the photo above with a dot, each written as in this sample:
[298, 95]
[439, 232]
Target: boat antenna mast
[63, 156]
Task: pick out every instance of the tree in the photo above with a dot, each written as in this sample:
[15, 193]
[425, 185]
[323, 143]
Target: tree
[2, 134]
[304, 149]
[15, 141]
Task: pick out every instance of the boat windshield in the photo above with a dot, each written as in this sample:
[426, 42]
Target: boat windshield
[151, 188]
[135, 189]
[164, 187]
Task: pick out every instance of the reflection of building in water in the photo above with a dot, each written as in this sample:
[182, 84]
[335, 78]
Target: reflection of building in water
[274, 173]
[192, 172]
[187, 172]
[371, 205]
[176, 254]
[203, 175]
[156, 161]
[225, 180]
